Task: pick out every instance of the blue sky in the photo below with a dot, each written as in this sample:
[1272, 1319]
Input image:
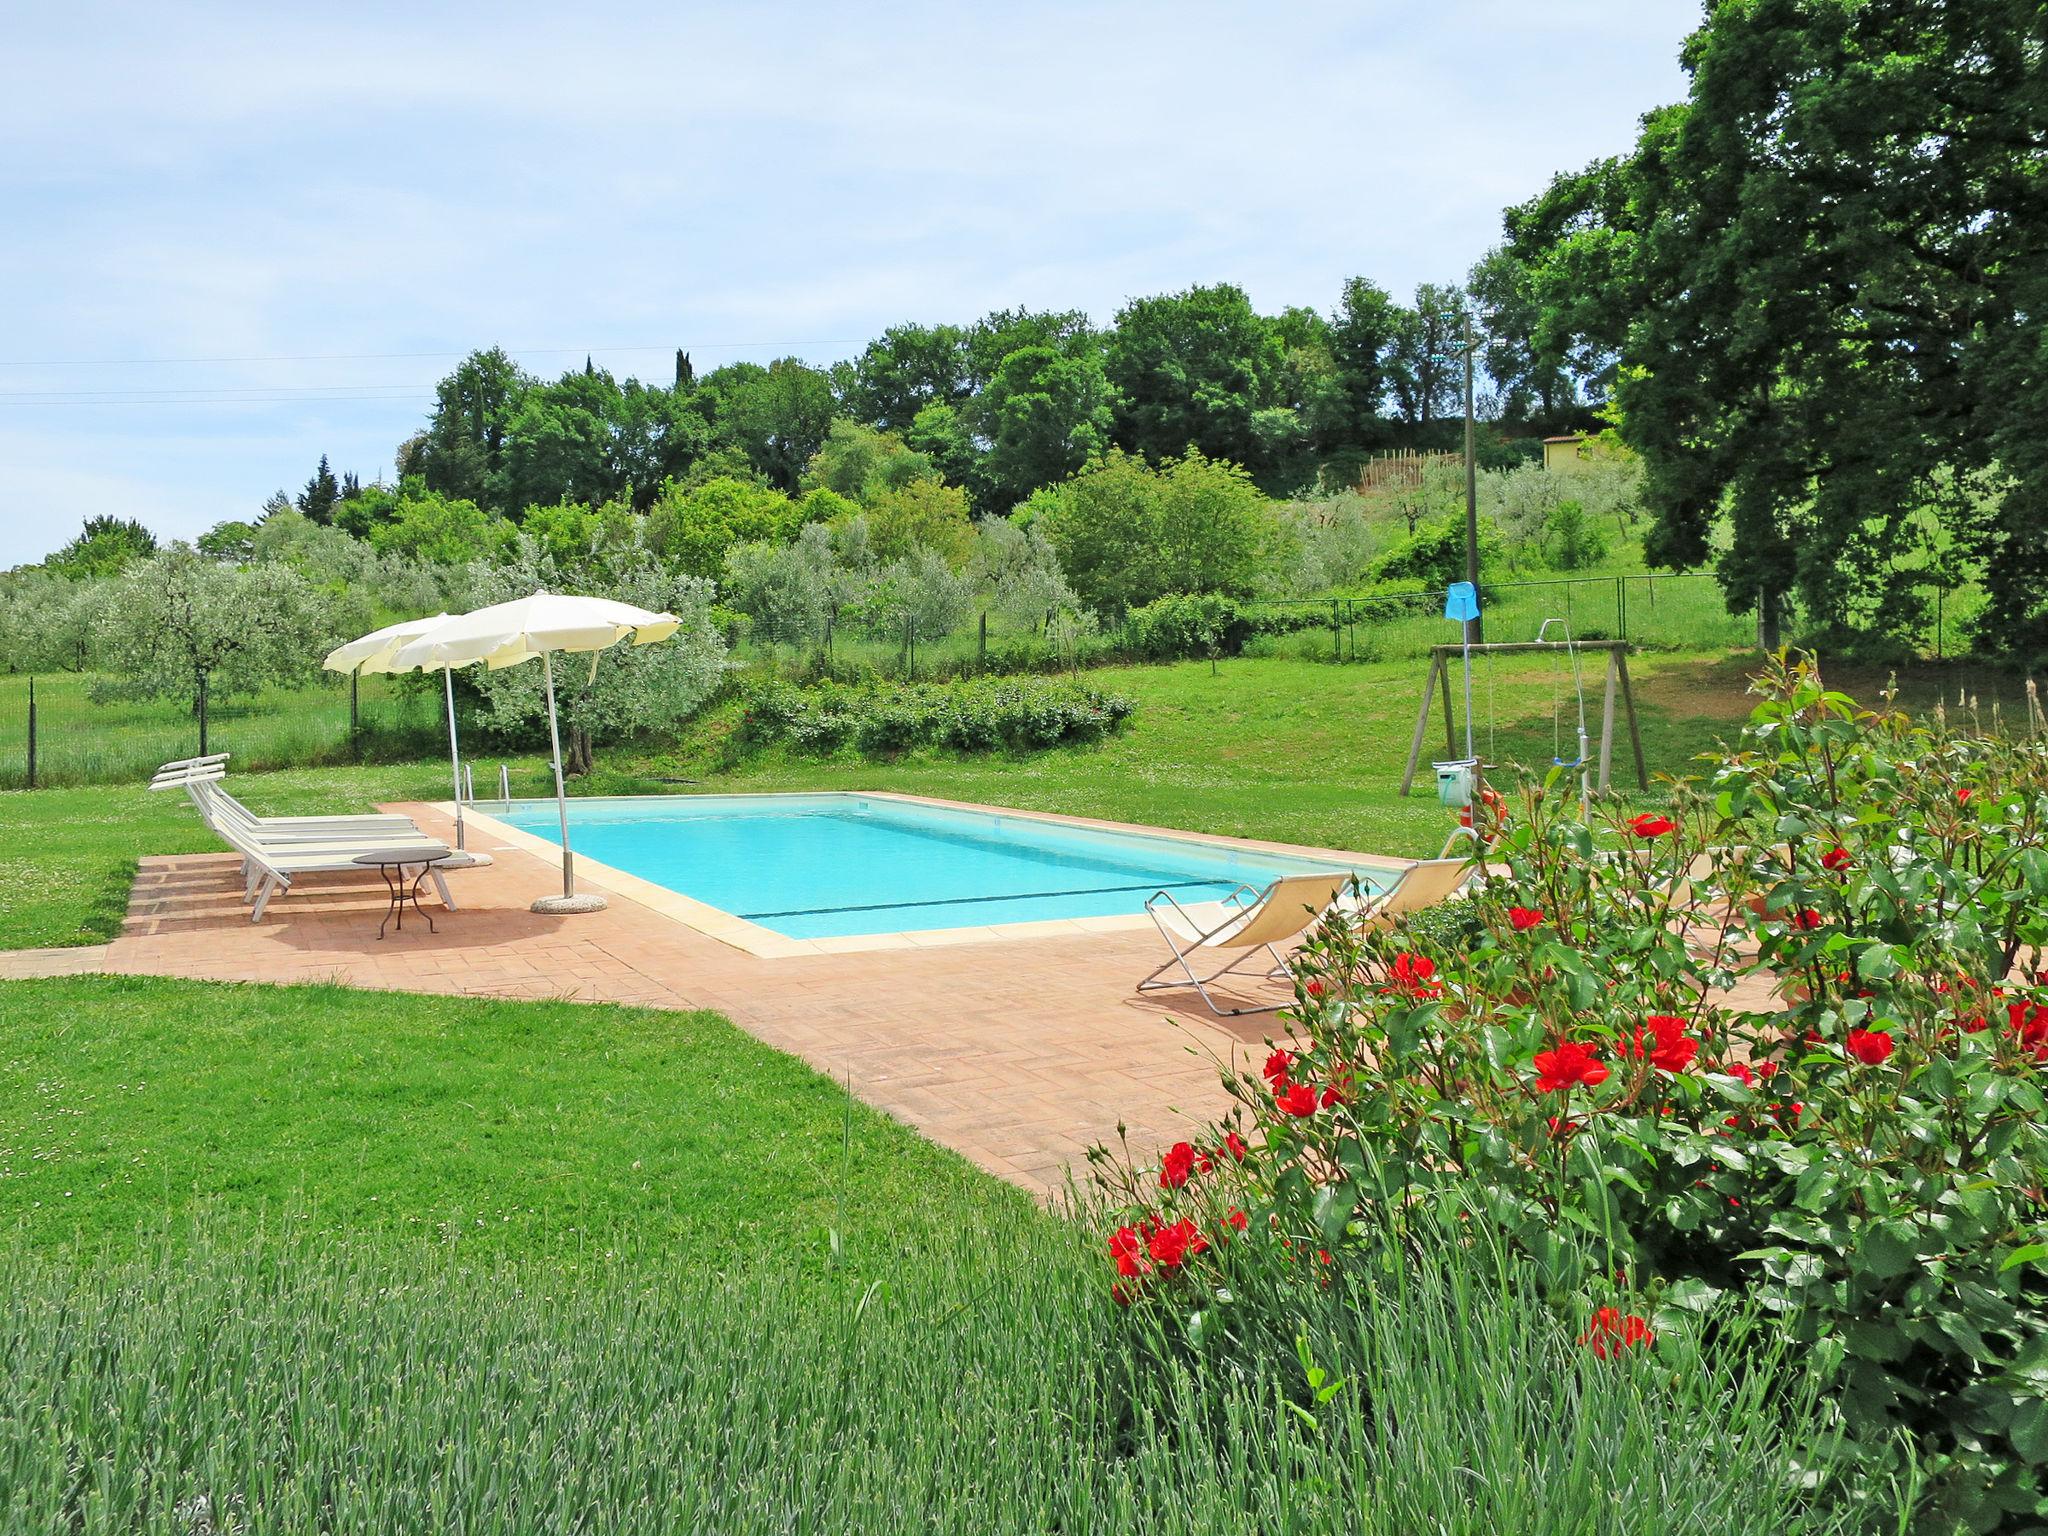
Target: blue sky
[239, 237]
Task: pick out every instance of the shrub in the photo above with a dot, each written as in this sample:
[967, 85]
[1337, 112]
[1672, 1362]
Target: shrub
[980, 715]
[1183, 626]
[1782, 1042]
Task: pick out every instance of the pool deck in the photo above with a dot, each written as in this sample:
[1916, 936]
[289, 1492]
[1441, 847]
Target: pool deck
[1017, 1050]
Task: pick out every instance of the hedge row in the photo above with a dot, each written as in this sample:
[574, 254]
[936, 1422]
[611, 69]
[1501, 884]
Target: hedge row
[976, 715]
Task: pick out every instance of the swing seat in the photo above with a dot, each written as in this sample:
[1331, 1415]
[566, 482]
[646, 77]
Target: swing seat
[1567, 762]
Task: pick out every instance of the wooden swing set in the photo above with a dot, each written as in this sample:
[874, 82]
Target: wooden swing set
[1442, 656]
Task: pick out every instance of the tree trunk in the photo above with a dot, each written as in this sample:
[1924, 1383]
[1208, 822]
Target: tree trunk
[199, 707]
[579, 750]
[1768, 625]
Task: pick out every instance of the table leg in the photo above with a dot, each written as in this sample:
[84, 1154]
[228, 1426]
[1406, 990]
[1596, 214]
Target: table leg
[394, 887]
[419, 880]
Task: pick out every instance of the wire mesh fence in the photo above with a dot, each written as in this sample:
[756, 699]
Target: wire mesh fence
[54, 732]
[70, 737]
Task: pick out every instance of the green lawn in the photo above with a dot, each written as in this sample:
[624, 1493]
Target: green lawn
[1295, 751]
[498, 1128]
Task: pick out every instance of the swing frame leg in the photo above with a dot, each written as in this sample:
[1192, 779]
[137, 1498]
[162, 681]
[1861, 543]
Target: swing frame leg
[1436, 665]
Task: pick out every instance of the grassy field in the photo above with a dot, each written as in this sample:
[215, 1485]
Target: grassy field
[1296, 751]
[311, 1259]
[503, 1129]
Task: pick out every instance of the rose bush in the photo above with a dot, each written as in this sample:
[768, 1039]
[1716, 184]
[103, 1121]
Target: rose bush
[1778, 1044]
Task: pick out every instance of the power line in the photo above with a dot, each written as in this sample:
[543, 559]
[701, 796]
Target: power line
[282, 390]
[419, 395]
[356, 357]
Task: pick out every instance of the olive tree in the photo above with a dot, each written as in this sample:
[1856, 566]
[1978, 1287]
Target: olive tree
[177, 625]
[915, 600]
[611, 695]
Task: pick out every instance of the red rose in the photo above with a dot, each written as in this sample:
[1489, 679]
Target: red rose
[1524, 918]
[1278, 1065]
[1610, 1334]
[1650, 825]
[1296, 1099]
[1235, 1145]
[1173, 1246]
[1662, 1038]
[1177, 1165]
[1314, 989]
[1835, 858]
[1963, 795]
[2029, 1025]
[1869, 1046]
[1806, 918]
[1569, 1063]
[1740, 1071]
[1237, 1220]
[1414, 975]
[1128, 1249]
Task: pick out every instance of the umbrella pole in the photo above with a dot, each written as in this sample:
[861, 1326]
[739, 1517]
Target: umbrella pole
[454, 755]
[547, 666]
[568, 901]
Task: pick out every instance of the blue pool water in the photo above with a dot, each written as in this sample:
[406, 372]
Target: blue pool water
[825, 866]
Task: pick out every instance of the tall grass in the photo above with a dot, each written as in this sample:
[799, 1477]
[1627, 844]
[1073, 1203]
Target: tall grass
[287, 1385]
[80, 741]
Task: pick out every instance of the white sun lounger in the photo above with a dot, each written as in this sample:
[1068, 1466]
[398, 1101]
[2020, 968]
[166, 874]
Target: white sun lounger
[268, 868]
[201, 781]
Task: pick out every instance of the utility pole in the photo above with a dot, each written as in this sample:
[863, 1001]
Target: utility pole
[1475, 629]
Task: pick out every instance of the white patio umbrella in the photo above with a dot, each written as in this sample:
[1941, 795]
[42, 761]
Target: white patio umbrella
[506, 634]
[374, 653]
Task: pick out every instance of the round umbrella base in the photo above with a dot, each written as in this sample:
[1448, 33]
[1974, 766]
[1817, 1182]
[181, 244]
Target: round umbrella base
[582, 903]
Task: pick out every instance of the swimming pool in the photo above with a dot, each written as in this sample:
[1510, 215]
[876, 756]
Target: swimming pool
[819, 866]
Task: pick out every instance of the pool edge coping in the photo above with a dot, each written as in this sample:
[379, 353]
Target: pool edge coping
[766, 944]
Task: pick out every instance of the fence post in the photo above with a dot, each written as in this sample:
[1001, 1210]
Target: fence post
[1336, 633]
[1939, 594]
[1621, 607]
[31, 733]
[981, 657]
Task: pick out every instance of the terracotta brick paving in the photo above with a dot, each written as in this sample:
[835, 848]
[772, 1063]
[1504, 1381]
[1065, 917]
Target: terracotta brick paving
[1017, 1053]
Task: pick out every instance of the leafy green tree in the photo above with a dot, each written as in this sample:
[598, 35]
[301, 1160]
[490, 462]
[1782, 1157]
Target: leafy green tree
[1825, 274]
[632, 691]
[1100, 523]
[858, 461]
[924, 515]
[105, 546]
[1046, 413]
[779, 416]
[691, 530]
[176, 625]
[232, 542]
[658, 434]
[45, 621]
[1214, 527]
[947, 438]
[322, 491]
[441, 530]
[906, 369]
[1127, 533]
[1531, 374]
[915, 600]
[1427, 368]
[560, 445]
[996, 335]
[463, 453]
[1191, 370]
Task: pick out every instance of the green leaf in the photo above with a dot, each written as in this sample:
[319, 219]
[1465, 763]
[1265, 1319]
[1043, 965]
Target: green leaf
[1886, 1252]
[2030, 1430]
[2030, 1253]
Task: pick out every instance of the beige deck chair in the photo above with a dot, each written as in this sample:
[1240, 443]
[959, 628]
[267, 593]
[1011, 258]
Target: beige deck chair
[1422, 884]
[1238, 928]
